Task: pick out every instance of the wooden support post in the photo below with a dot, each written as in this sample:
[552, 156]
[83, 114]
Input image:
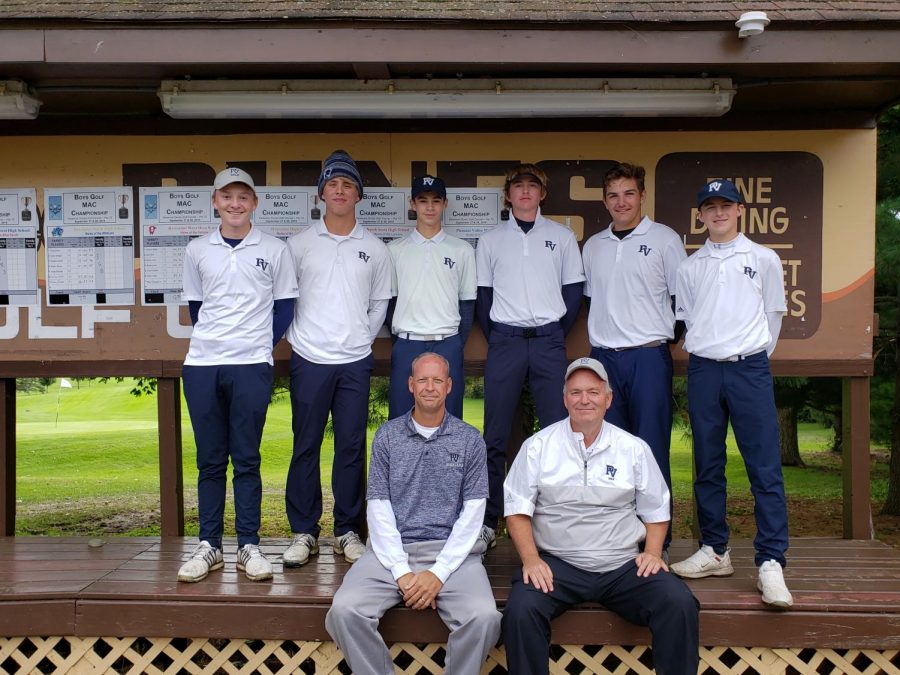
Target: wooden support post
[8, 456]
[171, 476]
[857, 495]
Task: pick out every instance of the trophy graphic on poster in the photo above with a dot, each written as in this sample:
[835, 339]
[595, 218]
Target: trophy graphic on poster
[123, 210]
[26, 210]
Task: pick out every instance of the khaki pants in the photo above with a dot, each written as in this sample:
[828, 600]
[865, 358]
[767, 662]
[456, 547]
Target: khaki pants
[465, 604]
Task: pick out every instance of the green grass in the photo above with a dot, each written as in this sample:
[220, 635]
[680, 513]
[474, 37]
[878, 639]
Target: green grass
[95, 468]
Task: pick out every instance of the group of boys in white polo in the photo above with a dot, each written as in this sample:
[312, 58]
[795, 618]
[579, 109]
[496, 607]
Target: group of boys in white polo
[435, 487]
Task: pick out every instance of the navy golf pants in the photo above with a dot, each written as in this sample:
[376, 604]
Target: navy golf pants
[228, 406]
[739, 391]
[641, 380]
[661, 601]
[510, 359]
[316, 390]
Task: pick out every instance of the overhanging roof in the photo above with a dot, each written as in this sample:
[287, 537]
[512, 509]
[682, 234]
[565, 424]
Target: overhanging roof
[92, 60]
[530, 11]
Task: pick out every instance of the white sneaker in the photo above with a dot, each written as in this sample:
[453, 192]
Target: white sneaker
[489, 537]
[350, 546]
[704, 563]
[203, 560]
[771, 583]
[302, 547]
[252, 562]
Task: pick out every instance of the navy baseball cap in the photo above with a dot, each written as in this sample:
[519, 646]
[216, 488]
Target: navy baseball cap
[429, 183]
[719, 188]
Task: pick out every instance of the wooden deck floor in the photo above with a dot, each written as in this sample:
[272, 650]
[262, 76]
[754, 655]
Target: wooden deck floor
[847, 594]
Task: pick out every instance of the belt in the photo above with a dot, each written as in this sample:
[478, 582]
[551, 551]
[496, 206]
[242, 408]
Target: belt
[649, 345]
[738, 357]
[529, 332]
[425, 338]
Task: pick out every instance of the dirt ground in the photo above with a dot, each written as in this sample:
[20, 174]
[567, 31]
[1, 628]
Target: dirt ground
[807, 517]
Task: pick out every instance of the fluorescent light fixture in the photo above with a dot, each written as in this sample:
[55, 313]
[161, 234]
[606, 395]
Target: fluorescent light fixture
[321, 99]
[16, 103]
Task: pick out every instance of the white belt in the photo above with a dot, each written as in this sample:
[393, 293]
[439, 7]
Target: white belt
[738, 357]
[425, 338]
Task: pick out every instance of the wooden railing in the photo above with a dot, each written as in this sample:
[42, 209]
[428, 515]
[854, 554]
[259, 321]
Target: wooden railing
[857, 517]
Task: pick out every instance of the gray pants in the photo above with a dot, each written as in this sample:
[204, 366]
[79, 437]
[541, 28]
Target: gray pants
[465, 604]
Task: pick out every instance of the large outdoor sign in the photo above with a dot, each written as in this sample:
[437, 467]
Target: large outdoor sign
[782, 193]
[809, 195]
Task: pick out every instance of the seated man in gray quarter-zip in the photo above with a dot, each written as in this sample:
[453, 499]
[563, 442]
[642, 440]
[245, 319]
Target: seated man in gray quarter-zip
[426, 497]
[580, 497]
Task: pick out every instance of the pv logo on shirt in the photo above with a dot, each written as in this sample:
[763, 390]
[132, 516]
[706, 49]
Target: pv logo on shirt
[611, 471]
[750, 272]
[262, 263]
[549, 244]
[364, 256]
[645, 250]
[449, 263]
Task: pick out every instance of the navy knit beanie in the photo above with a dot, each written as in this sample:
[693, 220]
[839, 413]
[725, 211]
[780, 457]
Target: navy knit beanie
[340, 164]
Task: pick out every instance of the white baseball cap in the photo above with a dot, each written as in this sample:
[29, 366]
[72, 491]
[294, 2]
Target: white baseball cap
[233, 175]
[587, 363]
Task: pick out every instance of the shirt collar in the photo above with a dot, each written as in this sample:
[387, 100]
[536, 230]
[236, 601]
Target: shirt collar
[416, 237]
[514, 224]
[355, 233]
[741, 245]
[253, 237]
[442, 430]
[640, 228]
[602, 442]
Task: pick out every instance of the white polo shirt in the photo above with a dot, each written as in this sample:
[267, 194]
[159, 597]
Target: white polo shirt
[587, 504]
[430, 277]
[723, 294]
[237, 286]
[337, 277]
[527, 271]
[631, 282]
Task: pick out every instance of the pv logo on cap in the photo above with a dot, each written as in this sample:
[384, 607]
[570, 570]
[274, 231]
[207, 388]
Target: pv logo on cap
[714, 186]
[234, 171]
[428, 180]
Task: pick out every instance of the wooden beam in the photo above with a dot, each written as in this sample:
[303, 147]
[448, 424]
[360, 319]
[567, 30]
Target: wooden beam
[372, 71]
[474, 366]
[8, 456]
[456, 46]
[171, 478]
[857, 495]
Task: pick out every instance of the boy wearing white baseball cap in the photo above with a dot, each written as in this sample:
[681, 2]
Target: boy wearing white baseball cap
[730, 294]
[240, 286]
